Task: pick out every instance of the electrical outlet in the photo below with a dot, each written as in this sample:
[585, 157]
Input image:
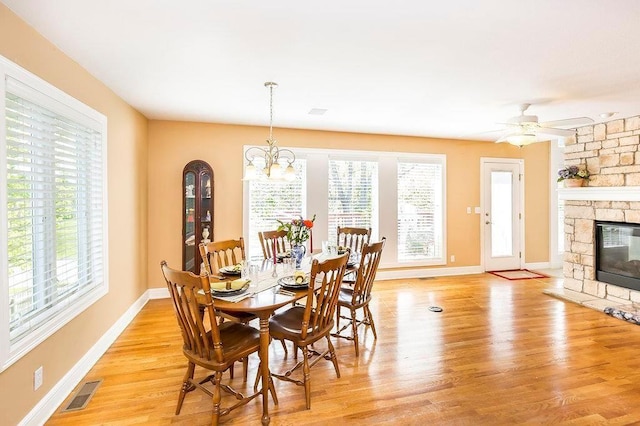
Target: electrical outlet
[37, 378]
[453, 258]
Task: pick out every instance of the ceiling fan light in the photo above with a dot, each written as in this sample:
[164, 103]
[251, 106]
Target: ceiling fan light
[522, 139]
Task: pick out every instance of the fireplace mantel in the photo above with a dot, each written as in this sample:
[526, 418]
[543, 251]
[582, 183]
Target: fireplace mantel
[601, 193]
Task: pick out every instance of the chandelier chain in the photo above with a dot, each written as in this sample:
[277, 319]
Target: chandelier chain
[271, 154]
[271, 111]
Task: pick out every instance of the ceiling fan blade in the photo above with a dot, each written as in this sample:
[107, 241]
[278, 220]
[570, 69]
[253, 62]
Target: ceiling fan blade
[568, 122]
[555, 132]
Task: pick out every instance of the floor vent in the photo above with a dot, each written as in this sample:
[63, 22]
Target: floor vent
[427, 278]
[83, 396]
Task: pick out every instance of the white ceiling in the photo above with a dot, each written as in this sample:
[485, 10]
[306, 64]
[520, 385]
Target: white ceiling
[415, 67]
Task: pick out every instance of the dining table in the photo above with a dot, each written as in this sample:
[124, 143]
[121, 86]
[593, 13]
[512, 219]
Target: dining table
[262, 299]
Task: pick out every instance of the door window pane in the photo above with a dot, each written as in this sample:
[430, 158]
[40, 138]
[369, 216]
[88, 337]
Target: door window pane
[501, 213]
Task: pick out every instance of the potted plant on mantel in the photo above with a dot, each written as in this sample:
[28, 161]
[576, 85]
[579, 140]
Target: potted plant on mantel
[573, 176]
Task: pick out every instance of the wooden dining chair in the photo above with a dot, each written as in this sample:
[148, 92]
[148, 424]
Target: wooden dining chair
[305, 325]
[205, 343]
[216, 255]
[269, 238]
[359, 296]
[354, 239]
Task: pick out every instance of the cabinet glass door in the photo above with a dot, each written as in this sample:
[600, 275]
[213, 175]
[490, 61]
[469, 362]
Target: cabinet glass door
[189, 221]
[205, 207]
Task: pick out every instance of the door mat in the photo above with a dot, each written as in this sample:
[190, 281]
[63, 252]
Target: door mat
[518, 274]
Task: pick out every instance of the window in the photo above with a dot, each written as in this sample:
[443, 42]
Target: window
[419, 211]
[401, 196]
[353, 195]
[53, 209]
[271, 200]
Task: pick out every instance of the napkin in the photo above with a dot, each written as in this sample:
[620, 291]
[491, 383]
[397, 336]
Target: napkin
[229, 285]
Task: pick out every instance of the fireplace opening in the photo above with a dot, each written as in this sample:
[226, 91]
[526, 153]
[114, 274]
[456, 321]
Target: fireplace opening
[618, 254]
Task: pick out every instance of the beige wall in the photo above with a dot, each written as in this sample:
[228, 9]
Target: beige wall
[174, 144]
[127, 180]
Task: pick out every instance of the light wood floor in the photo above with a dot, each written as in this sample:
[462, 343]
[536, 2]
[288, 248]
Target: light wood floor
[500, 353]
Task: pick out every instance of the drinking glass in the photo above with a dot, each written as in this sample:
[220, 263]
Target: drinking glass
[254, 275]
[289, 265]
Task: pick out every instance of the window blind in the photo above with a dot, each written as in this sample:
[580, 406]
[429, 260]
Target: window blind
[420, 224]
[273, 200]
[353, 196]
[54, 212]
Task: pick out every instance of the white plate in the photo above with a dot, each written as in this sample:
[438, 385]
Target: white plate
[231, 270]
[290, 282]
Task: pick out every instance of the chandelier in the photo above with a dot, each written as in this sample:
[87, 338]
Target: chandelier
[272, 155]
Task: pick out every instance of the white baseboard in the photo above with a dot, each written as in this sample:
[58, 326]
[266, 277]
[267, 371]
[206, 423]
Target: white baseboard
[393, 274]
[158, 293]
[538, 265]
[59, 392]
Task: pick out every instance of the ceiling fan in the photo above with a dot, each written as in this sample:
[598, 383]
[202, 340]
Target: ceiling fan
[525, 129]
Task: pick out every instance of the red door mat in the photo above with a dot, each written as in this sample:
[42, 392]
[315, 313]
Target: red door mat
[518, 274]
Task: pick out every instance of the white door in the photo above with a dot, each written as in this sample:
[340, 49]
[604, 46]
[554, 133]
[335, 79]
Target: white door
[501, 214]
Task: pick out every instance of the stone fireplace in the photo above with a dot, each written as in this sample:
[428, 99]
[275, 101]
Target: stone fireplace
[611, 153]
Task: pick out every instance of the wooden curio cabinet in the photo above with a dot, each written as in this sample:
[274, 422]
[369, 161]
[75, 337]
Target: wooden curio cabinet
[197, 212]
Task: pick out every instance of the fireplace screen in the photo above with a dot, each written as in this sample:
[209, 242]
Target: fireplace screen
[618, 254]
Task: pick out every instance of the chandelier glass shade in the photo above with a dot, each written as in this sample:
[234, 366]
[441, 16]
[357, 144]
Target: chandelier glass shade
[271, 157]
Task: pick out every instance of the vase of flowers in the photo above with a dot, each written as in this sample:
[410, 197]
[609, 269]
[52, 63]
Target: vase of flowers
[573, 176]
[298, 232]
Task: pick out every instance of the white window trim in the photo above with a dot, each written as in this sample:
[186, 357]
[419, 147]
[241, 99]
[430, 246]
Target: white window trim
[55, 99]
[317, 165]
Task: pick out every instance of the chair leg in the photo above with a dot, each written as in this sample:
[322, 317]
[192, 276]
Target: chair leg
[245, 366]
[338, 318]
[370, 319]
[284, 346]
[334, 359]
[186, 386]
[216, 399]
[231, 370]
[307, 376]
[257, 381]
[354, 331]
[272, 389]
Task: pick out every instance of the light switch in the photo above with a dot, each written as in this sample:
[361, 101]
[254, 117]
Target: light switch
[468, 210]
[477, 210]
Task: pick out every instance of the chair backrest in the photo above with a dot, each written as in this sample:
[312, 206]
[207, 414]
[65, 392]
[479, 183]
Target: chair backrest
[191, 297]
[217, 254]
[267, 240]
[369, 262]
[353, 238]
[324, 290]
